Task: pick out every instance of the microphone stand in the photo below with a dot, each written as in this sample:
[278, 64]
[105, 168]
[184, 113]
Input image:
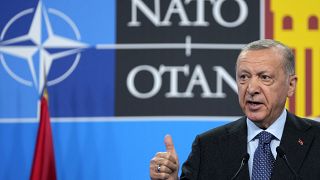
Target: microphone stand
[243, 162]
[282, 154]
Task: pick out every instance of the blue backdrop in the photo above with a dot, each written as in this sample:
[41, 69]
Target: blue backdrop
[74, 45]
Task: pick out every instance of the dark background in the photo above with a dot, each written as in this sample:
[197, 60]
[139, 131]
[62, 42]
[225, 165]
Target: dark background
[159, 105]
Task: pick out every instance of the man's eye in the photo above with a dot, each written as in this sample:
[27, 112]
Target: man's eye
[267, 80]
[243, 76]
[265, 77]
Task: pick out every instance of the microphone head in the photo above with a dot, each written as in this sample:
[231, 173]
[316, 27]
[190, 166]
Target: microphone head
[246, 157]
[280, 151]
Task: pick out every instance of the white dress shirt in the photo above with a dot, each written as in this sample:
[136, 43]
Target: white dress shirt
[276, 129]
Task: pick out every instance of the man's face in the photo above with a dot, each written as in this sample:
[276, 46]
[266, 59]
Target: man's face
[263, 85]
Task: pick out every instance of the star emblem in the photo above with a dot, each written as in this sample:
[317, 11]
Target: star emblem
[40, 40]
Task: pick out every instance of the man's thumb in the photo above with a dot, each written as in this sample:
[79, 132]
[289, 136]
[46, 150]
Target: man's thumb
[169, 144]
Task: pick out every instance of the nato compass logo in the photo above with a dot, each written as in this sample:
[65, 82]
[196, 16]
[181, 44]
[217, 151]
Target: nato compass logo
[40, 46]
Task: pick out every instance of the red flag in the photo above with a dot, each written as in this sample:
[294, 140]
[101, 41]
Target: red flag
[43, 167]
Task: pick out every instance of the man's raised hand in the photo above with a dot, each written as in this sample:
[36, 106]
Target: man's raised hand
[165, 165]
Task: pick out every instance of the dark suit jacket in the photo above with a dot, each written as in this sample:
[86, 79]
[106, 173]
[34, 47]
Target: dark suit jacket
[217, 153]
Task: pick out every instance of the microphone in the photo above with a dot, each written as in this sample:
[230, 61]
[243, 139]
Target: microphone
[243, 162]
[282, 154]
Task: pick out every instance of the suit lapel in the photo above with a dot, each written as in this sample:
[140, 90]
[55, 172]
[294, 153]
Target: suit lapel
[295, 142]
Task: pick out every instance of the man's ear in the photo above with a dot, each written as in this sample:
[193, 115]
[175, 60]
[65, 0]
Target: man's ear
[292, 85]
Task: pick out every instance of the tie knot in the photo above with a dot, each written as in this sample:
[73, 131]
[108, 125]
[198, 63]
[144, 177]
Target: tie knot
[265, 137]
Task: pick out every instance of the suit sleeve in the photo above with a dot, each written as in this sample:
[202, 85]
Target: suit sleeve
[190, 168]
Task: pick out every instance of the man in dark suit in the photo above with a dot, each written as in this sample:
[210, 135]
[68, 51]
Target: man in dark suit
[268, 143]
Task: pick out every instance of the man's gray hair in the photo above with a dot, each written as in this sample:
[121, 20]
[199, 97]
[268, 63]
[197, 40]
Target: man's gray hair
[269, 43]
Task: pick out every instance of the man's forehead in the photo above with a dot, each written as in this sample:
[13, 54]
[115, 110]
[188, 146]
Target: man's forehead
[261, 55]
[259, 63]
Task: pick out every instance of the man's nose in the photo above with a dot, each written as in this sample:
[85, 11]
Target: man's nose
[253, 86]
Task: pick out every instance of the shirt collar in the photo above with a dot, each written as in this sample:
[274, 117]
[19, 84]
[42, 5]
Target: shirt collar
[275, 129]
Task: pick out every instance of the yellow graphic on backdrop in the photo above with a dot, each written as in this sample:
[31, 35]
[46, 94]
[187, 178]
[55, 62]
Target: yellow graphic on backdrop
[296, 23]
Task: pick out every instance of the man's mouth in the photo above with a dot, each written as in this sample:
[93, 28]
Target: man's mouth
[254, 102]
[254, 105]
